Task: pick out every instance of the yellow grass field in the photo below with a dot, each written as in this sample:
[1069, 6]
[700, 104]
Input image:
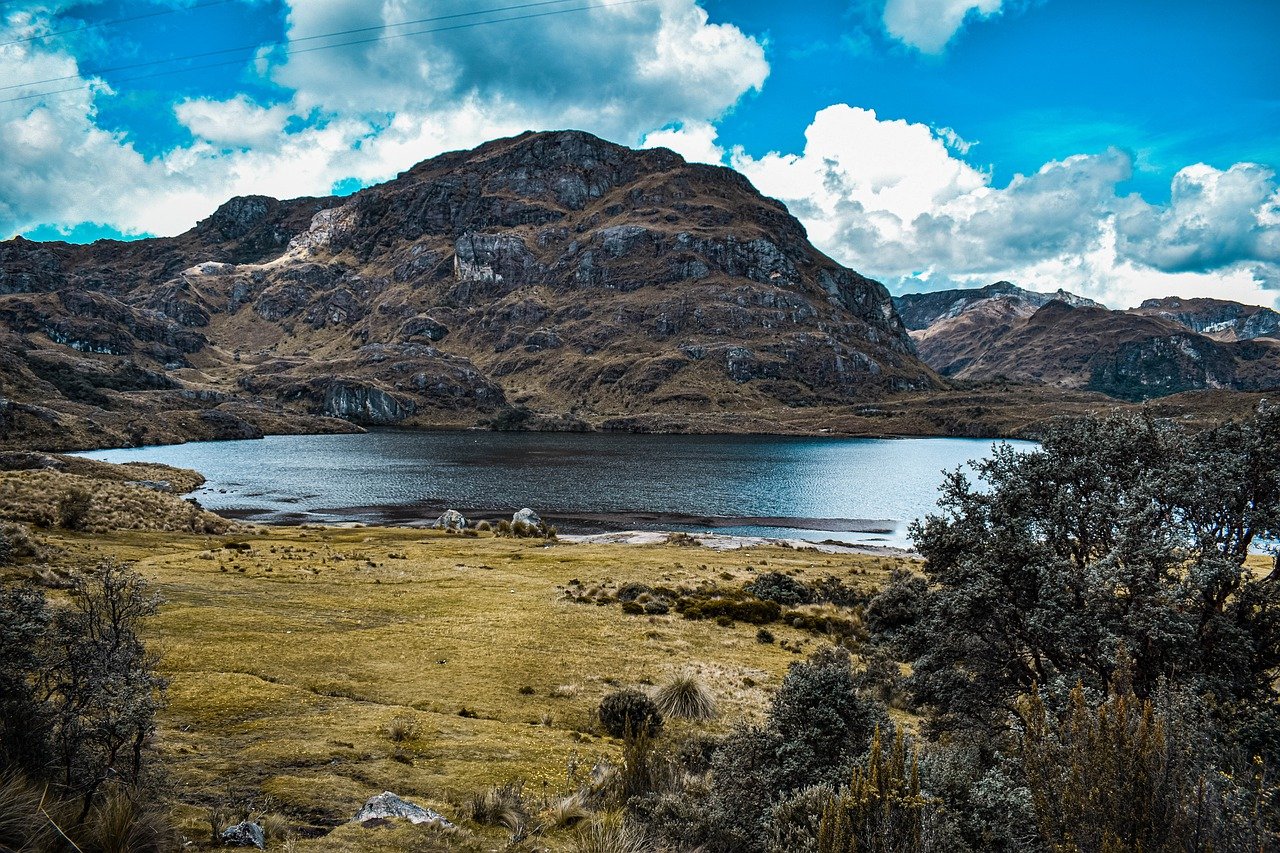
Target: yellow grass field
[289, 662]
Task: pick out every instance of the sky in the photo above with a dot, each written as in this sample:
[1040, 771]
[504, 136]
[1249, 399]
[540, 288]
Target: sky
[1120, 149]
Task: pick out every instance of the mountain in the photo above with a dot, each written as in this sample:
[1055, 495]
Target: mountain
[922, 310]
[1125, 355]
[550, 274]
[1219, 319]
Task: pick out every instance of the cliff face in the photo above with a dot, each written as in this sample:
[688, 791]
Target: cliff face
[1126, 355]
[552, 271]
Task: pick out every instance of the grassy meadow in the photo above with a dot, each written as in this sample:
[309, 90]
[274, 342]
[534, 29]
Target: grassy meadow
[311, 668]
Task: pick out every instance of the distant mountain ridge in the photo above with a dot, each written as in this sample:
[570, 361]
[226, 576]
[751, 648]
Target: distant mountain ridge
[1005, 332]
[1219, 319]
[552, 272]
[921, 310]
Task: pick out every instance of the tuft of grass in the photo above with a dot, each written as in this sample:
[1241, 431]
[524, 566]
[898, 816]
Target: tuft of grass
[402, 730]
[126, 823]
[686, 697]
[22, 826]
[610, 834]
[565, 812]
[501, 805]
[275, 827]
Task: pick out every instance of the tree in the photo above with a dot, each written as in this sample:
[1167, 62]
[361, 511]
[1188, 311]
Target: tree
[78, 689]
[1113, 556]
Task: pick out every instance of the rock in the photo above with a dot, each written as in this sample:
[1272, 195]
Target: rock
[244, 834]
[388, 805]
[154, 485]
[526, 516]
[451, 520]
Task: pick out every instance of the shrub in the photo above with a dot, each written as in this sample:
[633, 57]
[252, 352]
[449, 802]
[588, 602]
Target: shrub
[629, 712]
[503, 528]
[1129, 774]
[881, 810]
[484, 526]
[750, 610]
[775, 586]
[74, 509]
[686, 697]
[16, 544]
[764, 635]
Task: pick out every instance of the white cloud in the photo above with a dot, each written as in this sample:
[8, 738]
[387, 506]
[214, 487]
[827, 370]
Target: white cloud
[362, 111]
[694, 141]
[235, 123]
[890, 199]
[928, 25]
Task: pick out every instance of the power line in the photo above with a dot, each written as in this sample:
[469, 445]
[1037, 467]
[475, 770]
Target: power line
[113, 21]
[283, 43]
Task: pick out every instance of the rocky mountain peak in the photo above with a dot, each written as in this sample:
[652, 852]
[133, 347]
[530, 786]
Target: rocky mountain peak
[553, 271]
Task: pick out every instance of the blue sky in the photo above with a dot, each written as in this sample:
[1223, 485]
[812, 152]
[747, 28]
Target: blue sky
[1121, 149]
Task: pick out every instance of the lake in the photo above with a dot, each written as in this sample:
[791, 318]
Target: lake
[856, 490]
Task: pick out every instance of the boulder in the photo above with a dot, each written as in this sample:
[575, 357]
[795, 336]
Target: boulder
[244, 834]
[451, 520]
[526, 516]
[387, 805]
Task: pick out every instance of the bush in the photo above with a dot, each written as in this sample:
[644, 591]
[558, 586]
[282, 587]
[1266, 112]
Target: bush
[74, 509]
[16, 544]
[1129, 774]
[686, 697]
[627, 713]
[750, 610]
[775, 586]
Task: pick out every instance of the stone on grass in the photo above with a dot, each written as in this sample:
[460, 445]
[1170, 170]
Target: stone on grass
[526, 516]
[451, 520]
[244, 834]
[388, 805]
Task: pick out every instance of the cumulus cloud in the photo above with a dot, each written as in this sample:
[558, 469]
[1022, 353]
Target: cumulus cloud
[695, 142]
[928, 25]
[893, 200]
[235, 123]
[362, 111]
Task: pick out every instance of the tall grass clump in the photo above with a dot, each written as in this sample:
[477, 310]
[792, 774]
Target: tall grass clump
[686, 697]
[610, 834]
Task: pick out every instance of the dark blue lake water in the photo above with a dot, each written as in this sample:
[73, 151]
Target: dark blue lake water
[853, 490]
